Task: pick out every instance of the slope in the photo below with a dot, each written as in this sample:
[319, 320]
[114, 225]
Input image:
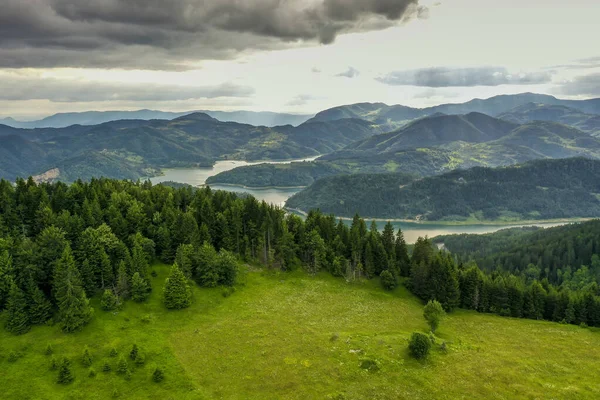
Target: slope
[251, 345]
[538, 190]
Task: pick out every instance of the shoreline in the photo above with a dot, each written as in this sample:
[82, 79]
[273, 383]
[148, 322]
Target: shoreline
[254, 187]
[508, 224]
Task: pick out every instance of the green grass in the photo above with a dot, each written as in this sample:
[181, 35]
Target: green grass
[292, 336]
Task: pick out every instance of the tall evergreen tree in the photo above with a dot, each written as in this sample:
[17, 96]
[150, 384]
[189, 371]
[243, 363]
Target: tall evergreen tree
[40, 309]
[122, 288]
[177, 293]
[140, 289]
[18, 321]
[74, 310]
[6, 278]
[65, 375]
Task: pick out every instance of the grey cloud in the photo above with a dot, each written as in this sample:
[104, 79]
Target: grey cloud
[457, 77]
[585, 63]
[60, 90]
[350, 73]
[171, 34]
[301, 100]
[586, 85]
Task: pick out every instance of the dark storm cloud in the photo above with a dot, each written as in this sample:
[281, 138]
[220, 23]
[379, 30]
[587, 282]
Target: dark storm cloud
[351, 72]
[462, 77]
[167, 34]
[60, 90]
[586, 85]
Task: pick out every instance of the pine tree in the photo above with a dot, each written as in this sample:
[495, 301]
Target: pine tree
[86, 358]
[18, 321]
[140, 359]
[40, 309]
[74, 310]
[109, 301]
[402, 258]
[54, 364]
[87, 278]
[177, 293]
[49, 350]
[113, 352]
[106, 367]
[140, 290]
[65, 376]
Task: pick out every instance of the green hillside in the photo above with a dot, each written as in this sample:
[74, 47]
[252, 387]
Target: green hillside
[190, 141]
[539, 190]
[297, 337]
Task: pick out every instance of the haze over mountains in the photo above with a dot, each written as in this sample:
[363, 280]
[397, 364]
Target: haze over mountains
[64, 120]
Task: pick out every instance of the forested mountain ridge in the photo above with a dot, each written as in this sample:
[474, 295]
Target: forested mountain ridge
[144, 146]
[538, 190]
[431, 146]
[589, 123]
[566, 255]
[392, 117]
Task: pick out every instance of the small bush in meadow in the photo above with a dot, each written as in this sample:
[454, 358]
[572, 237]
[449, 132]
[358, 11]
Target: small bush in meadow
[419, 345]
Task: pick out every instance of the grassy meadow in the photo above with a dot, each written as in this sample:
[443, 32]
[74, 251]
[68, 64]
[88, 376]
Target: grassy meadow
[293, 336]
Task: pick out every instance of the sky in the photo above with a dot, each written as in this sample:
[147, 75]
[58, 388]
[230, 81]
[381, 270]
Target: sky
[296, 56]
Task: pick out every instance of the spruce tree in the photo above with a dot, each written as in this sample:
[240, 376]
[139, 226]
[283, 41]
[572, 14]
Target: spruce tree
[122, 366]
[177, 293]
[18, 321]
[113, 352]
[74, 310]
[86, 358]
[65, 375]
[106, 367]
[140, 290]
[5, 277]
[40, 309]
[138, 263]
[107, 275]
[134, 352]
[109, 301]
[49, 350]
[123, 287]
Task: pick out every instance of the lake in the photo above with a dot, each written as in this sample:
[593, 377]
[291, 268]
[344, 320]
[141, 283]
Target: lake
[412, 231]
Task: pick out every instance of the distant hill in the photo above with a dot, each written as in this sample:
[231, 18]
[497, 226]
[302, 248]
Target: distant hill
[538, 190]
[63, 120]
[589, 123]
[130, 148]
[395, 116]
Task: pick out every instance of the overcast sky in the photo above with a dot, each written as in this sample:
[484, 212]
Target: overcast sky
[298, 56]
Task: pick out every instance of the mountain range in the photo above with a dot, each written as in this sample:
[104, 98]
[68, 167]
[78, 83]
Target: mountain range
[63, 120]
[430, 146]
[136, 148]
[365, 137]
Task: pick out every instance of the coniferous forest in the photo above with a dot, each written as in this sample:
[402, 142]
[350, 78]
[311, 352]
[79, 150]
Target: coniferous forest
[61, 245]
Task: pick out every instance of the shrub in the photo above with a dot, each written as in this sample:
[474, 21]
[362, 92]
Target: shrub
[433, 313]
[106, 367]
[369, 365]
[92, 373]
[122, 366]
[388, 281]
[140, 359]
[49, 350]
[419, 345]
[113, 352]
[13, 356]
[158, 375]
[134, 352]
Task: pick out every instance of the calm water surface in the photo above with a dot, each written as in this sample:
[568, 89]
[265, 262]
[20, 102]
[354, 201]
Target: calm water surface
[412, 231]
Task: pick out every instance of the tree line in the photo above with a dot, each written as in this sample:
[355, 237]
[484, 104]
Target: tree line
[62, 244]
